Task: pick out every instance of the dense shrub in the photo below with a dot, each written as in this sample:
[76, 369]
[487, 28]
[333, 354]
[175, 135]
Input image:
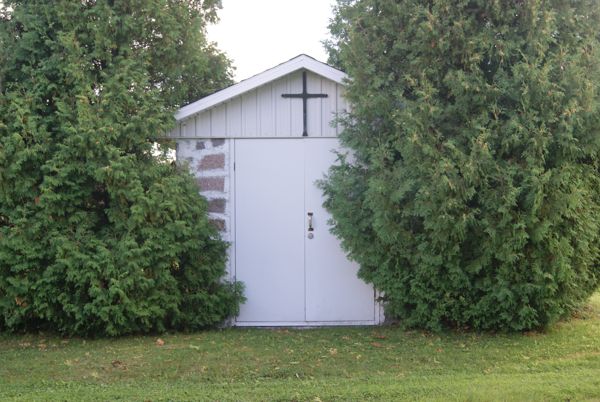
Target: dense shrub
[99, 236]
[473, 195]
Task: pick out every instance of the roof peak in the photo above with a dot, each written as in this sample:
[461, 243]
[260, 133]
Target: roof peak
[302, 61]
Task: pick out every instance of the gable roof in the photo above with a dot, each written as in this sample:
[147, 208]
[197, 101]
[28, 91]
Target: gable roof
[297, 63]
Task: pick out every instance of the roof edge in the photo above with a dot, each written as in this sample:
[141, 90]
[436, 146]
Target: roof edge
[299, 62]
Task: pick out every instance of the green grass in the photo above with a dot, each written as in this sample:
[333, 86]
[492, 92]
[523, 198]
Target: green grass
[318, 364]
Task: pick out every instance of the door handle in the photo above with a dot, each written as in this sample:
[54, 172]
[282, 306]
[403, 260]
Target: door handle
[310, 222]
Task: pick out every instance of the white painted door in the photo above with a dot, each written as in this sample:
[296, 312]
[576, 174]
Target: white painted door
[291, 279]
[333, 291]
[269, 237]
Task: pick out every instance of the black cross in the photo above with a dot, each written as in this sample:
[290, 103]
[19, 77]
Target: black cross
[304, 96]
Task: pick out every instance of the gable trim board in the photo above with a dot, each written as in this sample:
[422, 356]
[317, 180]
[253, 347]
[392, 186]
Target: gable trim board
[255, 107]
[297, 63]
[260, 189]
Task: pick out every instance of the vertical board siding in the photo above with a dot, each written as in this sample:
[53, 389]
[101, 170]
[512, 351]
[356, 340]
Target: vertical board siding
[187, 128]
[328, 108]
[203, 125]
[219, 121]
[266, 117]
[249, 114]
[234, 118]
[263, 112]
[282, 107]
[295, 87]
[314, 106]
[176, 132]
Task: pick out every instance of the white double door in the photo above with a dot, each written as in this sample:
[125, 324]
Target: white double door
[293, 268]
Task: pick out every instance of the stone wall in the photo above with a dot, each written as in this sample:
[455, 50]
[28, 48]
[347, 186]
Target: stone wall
[208, 160]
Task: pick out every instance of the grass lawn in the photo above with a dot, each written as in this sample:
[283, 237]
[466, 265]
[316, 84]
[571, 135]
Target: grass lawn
[309, 365]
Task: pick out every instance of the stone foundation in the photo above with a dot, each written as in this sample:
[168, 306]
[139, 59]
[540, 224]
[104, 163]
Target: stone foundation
[209, 161]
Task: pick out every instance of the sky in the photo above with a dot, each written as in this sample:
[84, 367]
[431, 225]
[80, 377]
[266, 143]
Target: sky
[260, 34]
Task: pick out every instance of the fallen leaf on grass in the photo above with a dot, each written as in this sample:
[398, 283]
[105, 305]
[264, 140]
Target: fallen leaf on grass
[119, 364]
[376, 344]
[160, 342]
[379, 336]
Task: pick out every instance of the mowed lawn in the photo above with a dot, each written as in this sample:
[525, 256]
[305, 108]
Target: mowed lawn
[309, 365]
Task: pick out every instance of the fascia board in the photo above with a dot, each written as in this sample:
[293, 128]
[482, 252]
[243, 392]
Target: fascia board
[297, 63]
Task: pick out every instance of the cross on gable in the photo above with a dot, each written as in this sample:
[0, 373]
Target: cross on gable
[304, 96]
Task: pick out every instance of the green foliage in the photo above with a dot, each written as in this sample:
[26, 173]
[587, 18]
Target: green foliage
[473, 195]
[98, 236]
[330, 364]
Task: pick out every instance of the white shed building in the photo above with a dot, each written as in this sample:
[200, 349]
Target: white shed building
[257, 148]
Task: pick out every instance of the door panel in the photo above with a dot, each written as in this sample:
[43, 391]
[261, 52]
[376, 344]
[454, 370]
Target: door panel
[269, 199]
[289, 278]
[333, 291]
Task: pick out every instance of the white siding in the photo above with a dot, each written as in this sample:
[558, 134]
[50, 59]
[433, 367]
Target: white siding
[250, 116]
[235, 119]
[203, 123]
[329, 107]
[218, 120]
[266, 111]
[263, 112]
[314, 106]
[187, 128]
[295, 87]
[282, 110]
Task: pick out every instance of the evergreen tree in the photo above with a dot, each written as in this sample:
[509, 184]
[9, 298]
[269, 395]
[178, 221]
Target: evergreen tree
[472, 198]
[98, 236]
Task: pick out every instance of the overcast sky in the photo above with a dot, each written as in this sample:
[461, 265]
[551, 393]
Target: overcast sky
[259, 34]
